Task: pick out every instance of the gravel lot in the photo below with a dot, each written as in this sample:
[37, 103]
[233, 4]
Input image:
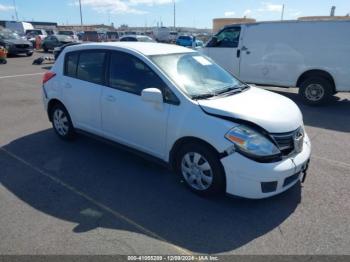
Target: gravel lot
[90, 197]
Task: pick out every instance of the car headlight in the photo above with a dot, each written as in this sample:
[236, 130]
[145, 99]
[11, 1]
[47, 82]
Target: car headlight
[251, 143]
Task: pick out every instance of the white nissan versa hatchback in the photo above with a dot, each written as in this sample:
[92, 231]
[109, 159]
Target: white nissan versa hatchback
[177, 105]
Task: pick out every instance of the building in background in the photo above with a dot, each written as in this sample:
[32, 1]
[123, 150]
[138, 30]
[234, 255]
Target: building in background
[326, 18]
[219, 23]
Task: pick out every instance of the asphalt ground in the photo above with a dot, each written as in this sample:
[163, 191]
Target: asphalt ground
[91, 197]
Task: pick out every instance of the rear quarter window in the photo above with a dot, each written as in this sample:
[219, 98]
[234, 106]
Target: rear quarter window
[71, 63]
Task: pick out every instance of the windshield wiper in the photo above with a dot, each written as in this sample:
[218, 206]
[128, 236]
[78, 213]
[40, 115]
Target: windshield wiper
[203, 96]
[233, 90]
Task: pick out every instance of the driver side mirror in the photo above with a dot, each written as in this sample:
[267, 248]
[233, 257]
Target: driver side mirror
[153, 95]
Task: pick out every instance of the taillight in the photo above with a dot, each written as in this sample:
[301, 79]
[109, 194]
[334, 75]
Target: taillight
[47, 76]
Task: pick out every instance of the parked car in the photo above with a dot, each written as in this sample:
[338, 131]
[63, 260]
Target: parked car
[51, 32]
[91, 36]
[162, 34]
[136, 38]
[112, 36]
[58, 50]
[173, 36]
[53, 41]
[217, 133]
[311, 55]
[188, 41]
[15, 44]
[31, 35]
[70, 33]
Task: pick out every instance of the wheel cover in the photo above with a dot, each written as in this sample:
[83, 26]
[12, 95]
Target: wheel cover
[197, 171]
[60, 122]
[314, 92]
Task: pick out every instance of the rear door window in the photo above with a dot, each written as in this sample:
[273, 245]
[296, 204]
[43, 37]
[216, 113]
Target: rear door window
[91, 66]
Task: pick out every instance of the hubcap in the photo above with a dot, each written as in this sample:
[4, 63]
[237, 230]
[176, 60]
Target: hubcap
[197, 171]
[314, 92]
[60, 122]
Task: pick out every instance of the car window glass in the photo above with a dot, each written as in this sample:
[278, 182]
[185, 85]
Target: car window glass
[90, 67]
[229, 37]
[71, 64]
[130, 74]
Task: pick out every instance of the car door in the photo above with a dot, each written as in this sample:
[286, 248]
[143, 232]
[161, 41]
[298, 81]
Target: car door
[84, 75]
[126, 118]
[224, 49]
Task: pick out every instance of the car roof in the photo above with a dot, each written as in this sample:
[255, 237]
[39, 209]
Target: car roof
[144, 48]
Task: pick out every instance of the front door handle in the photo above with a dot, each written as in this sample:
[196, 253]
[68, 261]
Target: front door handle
[110, 98]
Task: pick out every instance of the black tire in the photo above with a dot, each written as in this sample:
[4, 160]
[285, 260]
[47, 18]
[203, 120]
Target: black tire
[45, 49]
[29, 54]
[69, 134]
[322, 95]
[218, 183]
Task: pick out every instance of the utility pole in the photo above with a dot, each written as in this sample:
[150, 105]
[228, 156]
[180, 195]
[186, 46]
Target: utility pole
[333, 10]
[282, 15]
[174, 15]
[14, 5]
[81, 15]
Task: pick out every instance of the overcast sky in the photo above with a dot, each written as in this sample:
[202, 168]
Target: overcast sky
[198, 13]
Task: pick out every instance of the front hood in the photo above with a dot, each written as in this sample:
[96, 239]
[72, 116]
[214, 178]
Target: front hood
[273, 112]
[17, 42]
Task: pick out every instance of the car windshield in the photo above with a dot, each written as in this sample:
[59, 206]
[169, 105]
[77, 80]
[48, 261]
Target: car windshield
[63, 38]
[9, 35]
[185, 38]
[197, 75]
[145, 39]
[66, 33]
[33, 32]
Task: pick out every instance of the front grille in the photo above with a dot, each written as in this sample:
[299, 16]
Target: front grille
[291, 142]
[285, 142]
[22, 46]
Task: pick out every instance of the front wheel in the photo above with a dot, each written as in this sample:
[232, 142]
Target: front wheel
[316, 91]
[62, 123]
[201, 169]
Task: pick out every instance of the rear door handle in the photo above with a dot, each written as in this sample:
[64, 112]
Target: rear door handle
[244, 48]
[110, 98]
[67, 85]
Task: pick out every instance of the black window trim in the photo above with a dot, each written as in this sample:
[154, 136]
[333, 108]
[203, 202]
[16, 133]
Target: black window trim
[79, 52]
[107, 73]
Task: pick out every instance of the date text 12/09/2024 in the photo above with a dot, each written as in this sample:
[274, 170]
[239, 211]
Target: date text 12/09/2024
[173, 258]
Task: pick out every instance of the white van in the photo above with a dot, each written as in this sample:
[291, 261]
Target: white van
[311, 55]
[19, 27]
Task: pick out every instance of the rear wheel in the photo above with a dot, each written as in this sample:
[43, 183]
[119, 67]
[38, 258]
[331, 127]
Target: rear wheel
[62, 123]
[29, 54]
[45, 49]
[201, 169]
[316, 90]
